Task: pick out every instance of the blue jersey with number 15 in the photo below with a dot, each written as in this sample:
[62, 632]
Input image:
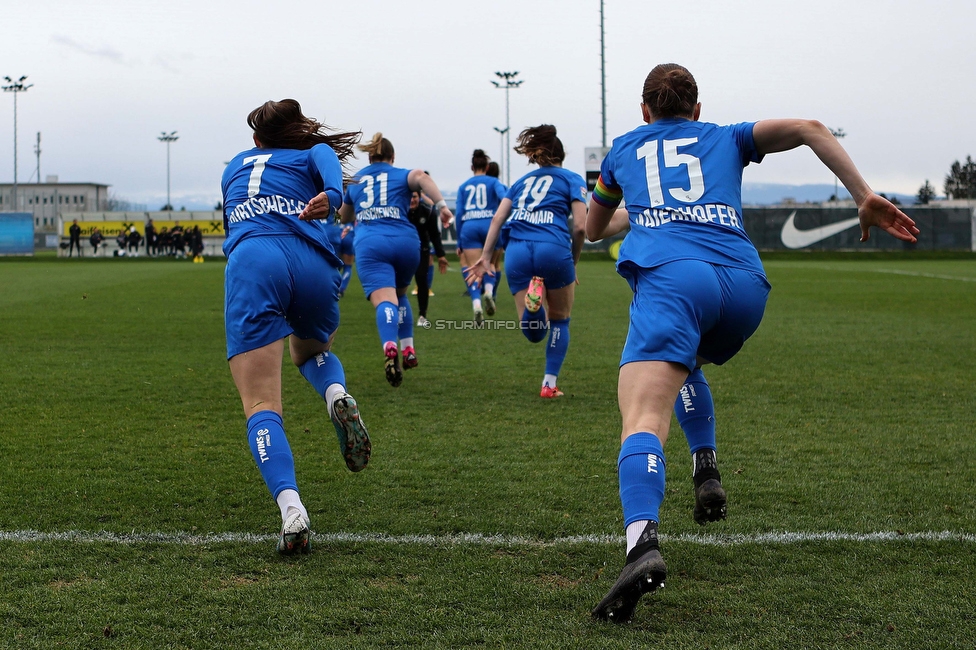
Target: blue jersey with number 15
[265, 190]
[682, 184]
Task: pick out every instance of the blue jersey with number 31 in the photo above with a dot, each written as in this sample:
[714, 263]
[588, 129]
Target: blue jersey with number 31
[682, 183]
[265, 190]
[381, 199]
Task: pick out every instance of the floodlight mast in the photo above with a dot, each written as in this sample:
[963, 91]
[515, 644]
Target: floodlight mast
[508, 82]
[168, 138]
[502, 133]
[16, 87]
[37, 152]
[603, 79]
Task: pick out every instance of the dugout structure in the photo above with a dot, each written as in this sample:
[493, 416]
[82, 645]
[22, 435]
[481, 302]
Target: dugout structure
[211, 224]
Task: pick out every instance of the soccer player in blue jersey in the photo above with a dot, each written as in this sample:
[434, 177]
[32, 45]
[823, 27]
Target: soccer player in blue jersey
[540, 261]
[699, 290]
[282, 280]
[495, 172]
[477, 199]
[343, 239]
[387, 245]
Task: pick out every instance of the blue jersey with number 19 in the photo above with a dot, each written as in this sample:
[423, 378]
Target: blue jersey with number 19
[265, 190]
[682, 183]
[542, 203]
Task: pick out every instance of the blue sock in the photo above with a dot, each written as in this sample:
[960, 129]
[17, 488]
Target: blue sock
[405, 330]
[474, 289]
[387, 321]
[323, 370]
[346, 277]
[558, 345]
[430, 276]
[271, 452]
[492, 279]
[533, 326]
[640, 469]
[696, 412]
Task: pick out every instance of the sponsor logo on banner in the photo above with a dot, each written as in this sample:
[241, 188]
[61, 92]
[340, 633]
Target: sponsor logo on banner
[794, 238]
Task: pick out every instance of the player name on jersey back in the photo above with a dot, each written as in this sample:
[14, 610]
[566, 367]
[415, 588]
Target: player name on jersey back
[385, 212]
[471, 215]
[538, 217]
[707, 213]
[276, 204]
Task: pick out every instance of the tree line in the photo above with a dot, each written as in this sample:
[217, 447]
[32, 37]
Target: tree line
[960, 183]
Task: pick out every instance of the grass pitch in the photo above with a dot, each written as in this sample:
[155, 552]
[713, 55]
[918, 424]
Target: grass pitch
[132, 516]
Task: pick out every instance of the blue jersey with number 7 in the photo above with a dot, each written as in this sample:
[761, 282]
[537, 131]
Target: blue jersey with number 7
[682, 184]
[265, 190]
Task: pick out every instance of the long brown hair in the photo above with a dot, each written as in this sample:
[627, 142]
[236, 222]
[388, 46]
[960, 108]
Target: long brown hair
[670, 91]
[379, 149]
[540, 145]
[282, 125]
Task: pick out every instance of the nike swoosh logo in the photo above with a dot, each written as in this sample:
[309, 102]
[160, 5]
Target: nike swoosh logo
[793, 238]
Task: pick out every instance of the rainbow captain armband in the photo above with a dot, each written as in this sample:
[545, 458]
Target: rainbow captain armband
[608, 197]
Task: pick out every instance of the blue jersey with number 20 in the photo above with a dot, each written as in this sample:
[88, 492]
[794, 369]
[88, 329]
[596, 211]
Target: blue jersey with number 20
[682, 183]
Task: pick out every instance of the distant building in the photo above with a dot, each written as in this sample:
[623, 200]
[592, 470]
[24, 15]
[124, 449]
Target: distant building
[49, 199]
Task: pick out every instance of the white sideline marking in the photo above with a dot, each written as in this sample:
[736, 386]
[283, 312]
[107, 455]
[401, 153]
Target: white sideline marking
[475, 539]
[924, 275]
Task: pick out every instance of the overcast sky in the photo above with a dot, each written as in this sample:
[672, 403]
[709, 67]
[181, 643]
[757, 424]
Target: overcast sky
[109, 76]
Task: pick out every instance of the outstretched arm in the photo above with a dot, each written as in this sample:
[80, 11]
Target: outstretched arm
[418, 179]
[579, 229]
[603, 222]
[772, 136]
[483, 265]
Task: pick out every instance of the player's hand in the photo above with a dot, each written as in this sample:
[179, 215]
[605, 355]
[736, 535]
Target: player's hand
[447, 217]
[317, 208]
[879, 212]
[443, 265]
[477, 271]
[345, 231]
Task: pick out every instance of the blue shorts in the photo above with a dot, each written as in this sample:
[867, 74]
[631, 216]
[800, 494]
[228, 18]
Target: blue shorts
[550, 261]
[386, 261]
[276, 286]
[687, 308]
[473, 234]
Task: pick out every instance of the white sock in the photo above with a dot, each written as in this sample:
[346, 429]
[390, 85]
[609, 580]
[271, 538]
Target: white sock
[406, 343]
[549, 380]
[290, 499]
[476, 303]
[330, 395]
[634, 532]
[489, 288]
